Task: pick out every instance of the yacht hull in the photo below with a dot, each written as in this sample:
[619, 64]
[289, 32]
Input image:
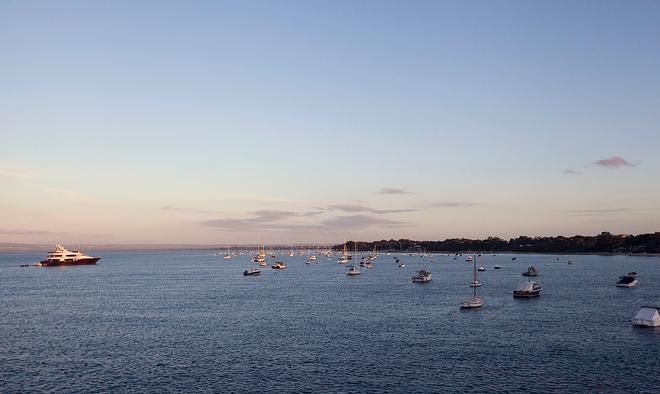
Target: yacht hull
[86, 261]
[526, 294]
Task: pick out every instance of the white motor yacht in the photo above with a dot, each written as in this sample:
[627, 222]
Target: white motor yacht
[527, 290]
[353, 270]
[422, 276]
[531, 271]
[280, 265]
[252, 272]
[627, 281]
[61, 256]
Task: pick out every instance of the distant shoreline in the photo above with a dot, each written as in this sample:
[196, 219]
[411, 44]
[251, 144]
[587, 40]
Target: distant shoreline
[603, 244]
[176, 248]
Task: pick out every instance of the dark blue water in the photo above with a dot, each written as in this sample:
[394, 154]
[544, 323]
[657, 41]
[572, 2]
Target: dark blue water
[189, 321]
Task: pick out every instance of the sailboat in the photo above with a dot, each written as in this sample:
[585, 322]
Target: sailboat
[261, 255]
[344, 257]
[474, 302]
[227, 254]
[354, 270]
[373, 254]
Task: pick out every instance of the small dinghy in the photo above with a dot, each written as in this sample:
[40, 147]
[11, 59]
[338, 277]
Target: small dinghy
[481, 268]
[497, 267]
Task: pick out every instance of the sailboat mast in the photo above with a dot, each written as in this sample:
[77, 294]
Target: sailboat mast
[474, 283]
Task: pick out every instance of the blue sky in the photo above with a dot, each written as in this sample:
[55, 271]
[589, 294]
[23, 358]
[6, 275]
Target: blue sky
[283, 121]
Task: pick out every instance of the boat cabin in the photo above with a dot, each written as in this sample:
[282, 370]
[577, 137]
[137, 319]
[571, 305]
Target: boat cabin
[647, 316]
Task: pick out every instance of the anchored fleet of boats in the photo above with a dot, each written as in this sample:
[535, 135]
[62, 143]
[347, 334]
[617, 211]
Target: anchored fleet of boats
[648, 316]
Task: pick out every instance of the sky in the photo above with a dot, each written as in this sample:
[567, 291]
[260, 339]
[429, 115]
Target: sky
[321, 121]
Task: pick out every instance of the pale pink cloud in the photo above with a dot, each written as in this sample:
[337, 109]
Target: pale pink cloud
[614, 162]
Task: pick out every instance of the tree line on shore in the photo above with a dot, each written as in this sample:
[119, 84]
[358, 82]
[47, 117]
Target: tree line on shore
[603, 243]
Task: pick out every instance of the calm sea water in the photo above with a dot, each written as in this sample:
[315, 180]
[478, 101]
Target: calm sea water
[190, 321]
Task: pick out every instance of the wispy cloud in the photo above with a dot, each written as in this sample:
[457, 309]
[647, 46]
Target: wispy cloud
[572, 172]
[259, 200]
[191, 210]
[348, 208]
[277, 214]
[354, 222]
[604, 211]
[270, 220]
[71, 196]
[453, 204]
[614, 162]
[364, 208]
[27, 232]
[389, 190]
[261, 219]
[15, 173]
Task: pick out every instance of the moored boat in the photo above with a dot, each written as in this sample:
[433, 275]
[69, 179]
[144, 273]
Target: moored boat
[61, 256]
[252, 272]
[422, 276]
[531, 271]
[527, 289]
[474, 302]
[280, 265]
[353, 270]
[627, 281]
[647, 316]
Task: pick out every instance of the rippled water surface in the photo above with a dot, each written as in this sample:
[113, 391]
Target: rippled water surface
[190, 321]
